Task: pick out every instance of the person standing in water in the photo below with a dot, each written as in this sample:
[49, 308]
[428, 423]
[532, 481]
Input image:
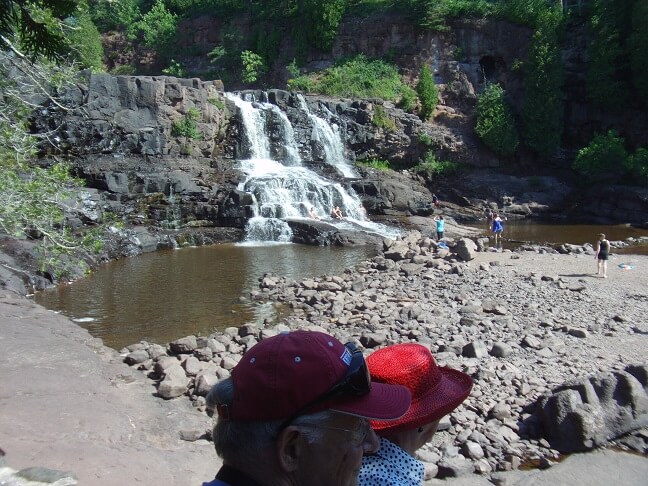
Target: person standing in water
[497, 228]
[602, 252]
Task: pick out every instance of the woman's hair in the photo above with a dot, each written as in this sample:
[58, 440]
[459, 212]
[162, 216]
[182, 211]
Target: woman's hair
[239, 442]
[602, 236]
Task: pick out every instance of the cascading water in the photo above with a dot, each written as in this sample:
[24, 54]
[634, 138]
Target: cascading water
[284, 189]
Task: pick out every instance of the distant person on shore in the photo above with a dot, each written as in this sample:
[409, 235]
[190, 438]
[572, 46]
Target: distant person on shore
[602, 253]
[294, 411]
[497, 228]
[490, 215]
[435, 200]
[312, 213]
[436, 391]
[337, 213]
[440, 226]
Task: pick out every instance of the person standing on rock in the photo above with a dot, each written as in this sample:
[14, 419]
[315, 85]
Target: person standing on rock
[294, 412]
[436, 391]
[601, 256]
[440, 226]
[435, 201]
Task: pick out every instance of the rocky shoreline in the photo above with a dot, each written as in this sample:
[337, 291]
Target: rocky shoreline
[557, 354]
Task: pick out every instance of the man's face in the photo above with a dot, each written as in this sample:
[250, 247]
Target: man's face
[335, 459]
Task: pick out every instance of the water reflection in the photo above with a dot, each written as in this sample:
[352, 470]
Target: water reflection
[165, 295]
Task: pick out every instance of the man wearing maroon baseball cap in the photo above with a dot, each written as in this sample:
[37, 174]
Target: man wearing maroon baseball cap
[295, 412]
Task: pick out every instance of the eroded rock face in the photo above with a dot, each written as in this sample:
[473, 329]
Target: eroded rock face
[586, 413]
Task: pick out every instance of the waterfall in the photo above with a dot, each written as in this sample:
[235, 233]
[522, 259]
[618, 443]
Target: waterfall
[330, 138]
[284, 189]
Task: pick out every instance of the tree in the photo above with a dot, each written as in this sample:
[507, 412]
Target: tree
[36, 26]
[35, 200]
[495, 122]
[543, 77]
[427, 92]
[158, 26]
[605, 155]
[253, 66]
[321, 20]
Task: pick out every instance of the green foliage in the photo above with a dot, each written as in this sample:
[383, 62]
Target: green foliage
[408, 99]
[293, 68]
[382, 120]
[543, 77]
[432, 168]
[605, 84]
[434, 14]
[35, 201]
[605, 155]
[637, 166]
[85, 42]
[638, 50]
[427, 92]
[523, 12]
[358, 77]
[158, 27]
[217, 102]
[174, 69]
[37, 26]
[187, 127]
[253, 66]
[110, 15]
[377, 164]
[425, 139]
[320, 20]
[495, 122]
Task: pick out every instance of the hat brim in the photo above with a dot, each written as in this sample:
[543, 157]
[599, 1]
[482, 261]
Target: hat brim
[453, 388]
[384, 402]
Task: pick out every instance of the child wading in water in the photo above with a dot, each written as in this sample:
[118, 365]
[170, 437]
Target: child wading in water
[602, 252]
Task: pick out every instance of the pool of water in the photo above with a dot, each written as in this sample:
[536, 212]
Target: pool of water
[518, 231]
[165, 295]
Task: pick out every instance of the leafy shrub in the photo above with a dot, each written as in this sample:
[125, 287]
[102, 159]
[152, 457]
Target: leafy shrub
[217, 102]
[432, 168]
[358, 77]
[543, 78]
[382, 120]
[408, 99]
[637, 166]
[378, 164]
[110, 15]
[158, 27]
[427, 93]
[85, 42]
[174, 69]
[495, 123]
[605, 155]
[253, 66]
[187, 127]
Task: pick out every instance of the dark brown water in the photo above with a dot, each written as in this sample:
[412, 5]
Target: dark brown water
[162, 296]
[516, 231]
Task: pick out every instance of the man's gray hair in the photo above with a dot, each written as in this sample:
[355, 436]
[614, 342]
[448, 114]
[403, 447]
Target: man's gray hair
[238, 442]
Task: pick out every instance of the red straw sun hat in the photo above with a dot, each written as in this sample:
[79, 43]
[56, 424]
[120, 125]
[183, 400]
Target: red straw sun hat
[436, 391]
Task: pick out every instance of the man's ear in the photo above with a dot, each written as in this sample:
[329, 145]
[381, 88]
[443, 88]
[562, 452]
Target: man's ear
[290, 447]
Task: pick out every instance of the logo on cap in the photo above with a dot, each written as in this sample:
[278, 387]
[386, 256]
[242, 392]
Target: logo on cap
[346, 357]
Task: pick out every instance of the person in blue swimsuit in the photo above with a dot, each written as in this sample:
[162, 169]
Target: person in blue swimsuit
[497, 228]
[601, 256]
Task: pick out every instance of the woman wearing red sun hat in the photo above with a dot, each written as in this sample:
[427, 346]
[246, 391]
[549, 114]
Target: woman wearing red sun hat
[436, 391]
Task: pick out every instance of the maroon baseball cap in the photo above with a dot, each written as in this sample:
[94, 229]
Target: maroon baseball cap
[285, 375]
